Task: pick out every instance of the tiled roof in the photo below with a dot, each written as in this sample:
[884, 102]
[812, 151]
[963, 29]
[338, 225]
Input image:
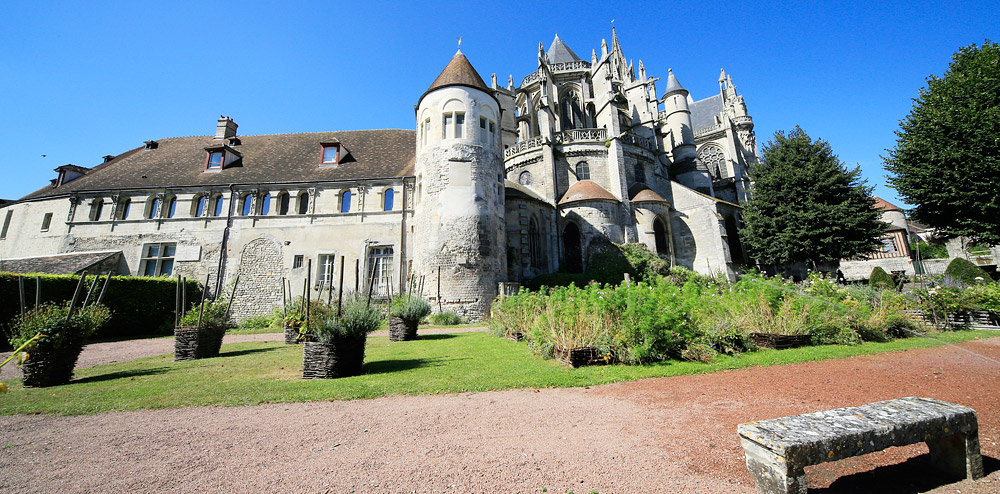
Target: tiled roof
[884, 205]
[458, 72]
[274, 158]
[559, 52]
[56, 264]
[642, 193]
[703, 112]
[586, 190]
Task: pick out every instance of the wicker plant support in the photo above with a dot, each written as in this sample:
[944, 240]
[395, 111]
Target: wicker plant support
[580, 356]
[50, 368]
[291, 335]
[401, 329]
[781, 341]
[339, 359]
[192, 343]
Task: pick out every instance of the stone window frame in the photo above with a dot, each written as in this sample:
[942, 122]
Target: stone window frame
[123, 208]
[246, 204]
[263, 206]
[298, 261]
[96, 208]
[217, 205]
[200, 201]
[388, 199]
[169, 206]
[302, 205]
[162, 258]
[154, 206]
[344, 201]
[380, 257]
[284, 201]
[46, 222]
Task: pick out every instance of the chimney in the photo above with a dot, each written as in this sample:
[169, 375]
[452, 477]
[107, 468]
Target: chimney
[108, 158]
[226, 128]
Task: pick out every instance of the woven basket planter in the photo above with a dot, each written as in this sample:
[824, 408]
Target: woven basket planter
[402, 330]
[329, 360]
[50, 368]
[781, 341]
[580, 356]
[291, 335]
[191, 343]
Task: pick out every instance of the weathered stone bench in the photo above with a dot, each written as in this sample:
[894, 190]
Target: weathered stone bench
[778, 450]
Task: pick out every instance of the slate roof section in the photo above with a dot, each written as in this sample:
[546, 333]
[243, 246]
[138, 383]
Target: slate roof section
[458, 72]
[703, 112]
[586, 190]
[72, 263]
[274, 158]
[672, 83]
[559, 52]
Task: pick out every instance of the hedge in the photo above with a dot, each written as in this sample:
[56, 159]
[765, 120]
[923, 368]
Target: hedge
[965, 271]
[139, 306]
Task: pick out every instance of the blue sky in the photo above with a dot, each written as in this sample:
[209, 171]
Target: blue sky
[79, 81]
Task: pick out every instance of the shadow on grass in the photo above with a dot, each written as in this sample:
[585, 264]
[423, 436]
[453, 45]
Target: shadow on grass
[914, 475]
[248, 351]
[387, 366]
[435, 336]
[121, 375]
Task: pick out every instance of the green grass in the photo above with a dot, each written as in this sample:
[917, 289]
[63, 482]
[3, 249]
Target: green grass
[270, 372]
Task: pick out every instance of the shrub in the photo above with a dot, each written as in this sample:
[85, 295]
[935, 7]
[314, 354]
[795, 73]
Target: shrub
[356, 320]
[963, 270]
[51, 321]
[880, 280]
[446, 319]
[256, 322]
[930, 251]
[319, 311]
[409, 308]
[212, 316]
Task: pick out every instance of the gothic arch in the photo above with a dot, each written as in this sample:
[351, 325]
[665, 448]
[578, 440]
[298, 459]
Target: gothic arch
[713, 158]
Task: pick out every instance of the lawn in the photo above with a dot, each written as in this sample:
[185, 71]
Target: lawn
[270, 372]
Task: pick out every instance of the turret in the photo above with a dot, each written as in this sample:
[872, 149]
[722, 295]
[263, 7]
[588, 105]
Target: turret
[458, 212]
[679, 137]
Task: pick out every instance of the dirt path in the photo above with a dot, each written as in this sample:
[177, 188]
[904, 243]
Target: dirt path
[656, 435]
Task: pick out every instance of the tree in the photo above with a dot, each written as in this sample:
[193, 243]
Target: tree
[805, 206]
[947, 155]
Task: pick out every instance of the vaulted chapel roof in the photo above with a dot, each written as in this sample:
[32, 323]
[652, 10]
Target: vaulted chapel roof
[458, 72]
[266, 159]
[586, 190]
[642, 193]
[559, 52]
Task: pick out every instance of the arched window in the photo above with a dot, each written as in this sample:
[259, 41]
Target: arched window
[123, 207]
[387, 199]
[524, 178]
[154, 206]
[714, 160]
[219, 200]
[96, 206]
[246, 205]
[265, 204]
[572, 116]
[283, 200]
[582, 171]
[534, 244]
[345, 200]
[304, 203]
[660, 238]
[200, 203]
[640, 173]
[171, 207]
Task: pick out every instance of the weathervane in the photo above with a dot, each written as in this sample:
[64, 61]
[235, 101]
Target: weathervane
[459, 42]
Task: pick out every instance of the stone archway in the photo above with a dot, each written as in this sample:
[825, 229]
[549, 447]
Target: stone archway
[260, 270]
[660, 238]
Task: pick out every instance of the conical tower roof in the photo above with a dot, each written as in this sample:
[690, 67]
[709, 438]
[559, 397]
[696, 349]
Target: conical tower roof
[672, 83]
[458, 72]
[559, 52]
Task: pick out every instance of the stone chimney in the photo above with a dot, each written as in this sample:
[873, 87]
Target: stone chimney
[226, 128]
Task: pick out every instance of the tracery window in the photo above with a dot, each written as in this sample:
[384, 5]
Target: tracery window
[713, 158]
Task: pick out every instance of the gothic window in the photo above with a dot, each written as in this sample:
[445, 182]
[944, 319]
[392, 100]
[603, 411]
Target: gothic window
[713, 158]
[534, 244]
[219, 201]
[524, 178]
[582, 171]
[200, 202]
[572, 115]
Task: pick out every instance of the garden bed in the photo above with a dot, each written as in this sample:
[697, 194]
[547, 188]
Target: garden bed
[781, 341]
[191, 342]
[580, 356]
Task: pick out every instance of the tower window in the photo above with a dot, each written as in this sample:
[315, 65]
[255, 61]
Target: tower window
[582, 171]
[640, 173]
[459, 124]
[524, 178]
[427, 129]
[448, 119]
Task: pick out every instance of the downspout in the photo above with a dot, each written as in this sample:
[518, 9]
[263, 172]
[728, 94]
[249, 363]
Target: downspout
[225, 241]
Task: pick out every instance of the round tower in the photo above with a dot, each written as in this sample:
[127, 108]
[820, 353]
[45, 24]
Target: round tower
[680, 137]
[458, 211]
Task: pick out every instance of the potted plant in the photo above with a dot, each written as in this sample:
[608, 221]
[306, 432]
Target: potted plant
[405, 314]
[53, 355]
[200, 332]
[295, 317]
[340, 347]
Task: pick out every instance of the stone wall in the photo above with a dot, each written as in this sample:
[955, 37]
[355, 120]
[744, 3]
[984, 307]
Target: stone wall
[862, 269]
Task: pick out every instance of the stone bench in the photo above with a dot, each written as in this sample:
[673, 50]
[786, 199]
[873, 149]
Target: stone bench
[778, 450]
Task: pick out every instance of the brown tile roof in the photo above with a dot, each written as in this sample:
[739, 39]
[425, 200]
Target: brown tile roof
[56, 264]
[458, 72]
[585, 190]
[884, 205]
[642, 193]
[274, 158]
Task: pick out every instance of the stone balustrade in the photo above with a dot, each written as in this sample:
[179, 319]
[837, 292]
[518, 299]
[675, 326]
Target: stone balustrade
[580, 135]
[637, 140]
[520, 147]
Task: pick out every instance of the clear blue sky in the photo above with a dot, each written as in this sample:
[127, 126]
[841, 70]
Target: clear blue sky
[79, 80]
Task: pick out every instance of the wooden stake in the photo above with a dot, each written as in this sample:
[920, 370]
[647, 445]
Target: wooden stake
[177, 302]
[284, 303]
[204, 295]
[439, 290]
[107, 281]
[184, 295]
[232, 296]
[371, 284]
[76, 295]
[357, 275]
[340, 289]
[20, 289]
[38, 292]
[90, 293]
[309, 272]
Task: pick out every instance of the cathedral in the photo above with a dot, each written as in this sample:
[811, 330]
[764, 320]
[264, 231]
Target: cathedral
[495, 185]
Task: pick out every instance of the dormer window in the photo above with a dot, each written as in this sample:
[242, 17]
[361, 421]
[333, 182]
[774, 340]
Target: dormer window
[215, 160]
[331, 154]
[221, 156]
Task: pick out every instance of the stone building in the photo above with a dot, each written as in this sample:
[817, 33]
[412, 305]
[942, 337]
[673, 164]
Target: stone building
[495, 184]
[893, 256]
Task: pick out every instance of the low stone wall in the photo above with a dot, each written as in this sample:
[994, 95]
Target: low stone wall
[862, 270]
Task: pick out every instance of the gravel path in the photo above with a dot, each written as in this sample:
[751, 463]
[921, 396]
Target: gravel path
[656, 435]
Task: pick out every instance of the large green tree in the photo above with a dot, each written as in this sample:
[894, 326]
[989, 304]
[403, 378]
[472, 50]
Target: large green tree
[806, 206]
[947, 155]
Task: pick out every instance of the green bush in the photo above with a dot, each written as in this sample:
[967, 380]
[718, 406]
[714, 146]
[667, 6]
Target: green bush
[257, 322]
[410, 308]
[880, 280]
[964, 271]
[140, 306]
[446, 319]
[356, 320]
[609, 267]
[929, 251]
[51, 321]
[212, 316]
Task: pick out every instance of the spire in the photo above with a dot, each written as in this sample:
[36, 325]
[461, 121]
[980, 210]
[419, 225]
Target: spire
[673, 85]
[559, 52]
[510, 82]
[614, 41]
[722, 76]
[604, 48]
[458, 72]
[593, 58]
[542, 60]
[642, 70]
